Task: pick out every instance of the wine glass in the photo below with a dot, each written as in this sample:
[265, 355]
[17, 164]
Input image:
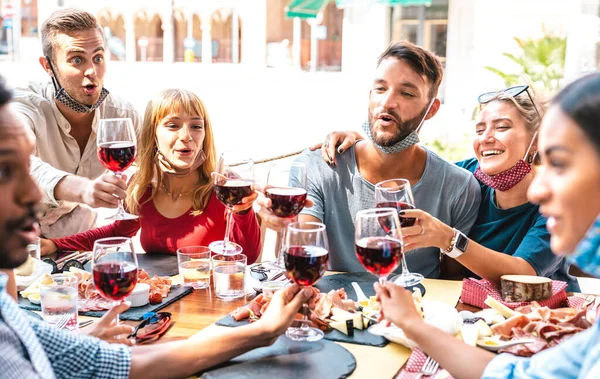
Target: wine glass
[233, 181]
[306, 253]
[116, 150]
[114, 268]
[286, 187]
[378, 241]
[397, 194]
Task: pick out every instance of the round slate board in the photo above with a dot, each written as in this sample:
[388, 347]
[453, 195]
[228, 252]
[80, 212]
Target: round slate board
[364, 280]
[288, 359]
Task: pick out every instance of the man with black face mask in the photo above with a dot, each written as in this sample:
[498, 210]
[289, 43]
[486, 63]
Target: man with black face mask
[402, 97]
[64, 114]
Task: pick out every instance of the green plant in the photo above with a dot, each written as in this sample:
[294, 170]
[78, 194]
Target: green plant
[451, 151]
[541, 60]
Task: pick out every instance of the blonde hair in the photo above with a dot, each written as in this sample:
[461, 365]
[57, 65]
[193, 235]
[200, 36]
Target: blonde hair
[171, 101]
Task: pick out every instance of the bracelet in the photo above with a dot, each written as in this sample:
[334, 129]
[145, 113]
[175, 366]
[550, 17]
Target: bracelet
[452, 243]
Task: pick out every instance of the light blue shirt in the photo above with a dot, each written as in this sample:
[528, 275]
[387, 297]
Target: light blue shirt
[578, 357]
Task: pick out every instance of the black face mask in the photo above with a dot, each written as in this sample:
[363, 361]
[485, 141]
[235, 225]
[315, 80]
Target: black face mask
[65, 99]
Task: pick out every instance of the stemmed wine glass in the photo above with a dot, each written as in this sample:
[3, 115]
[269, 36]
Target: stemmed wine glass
[378, 241]
[233, 181]
[306, 253]
[114, 268]
[286, 188]
[116, 150]
[397, 194]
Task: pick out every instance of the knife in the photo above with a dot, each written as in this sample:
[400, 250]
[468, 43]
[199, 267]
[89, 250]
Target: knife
[359, 293]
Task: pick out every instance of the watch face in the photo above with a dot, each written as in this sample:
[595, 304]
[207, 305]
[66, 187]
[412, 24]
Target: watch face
[461, 242]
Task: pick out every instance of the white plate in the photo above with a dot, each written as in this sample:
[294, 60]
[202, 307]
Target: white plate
[438, 314]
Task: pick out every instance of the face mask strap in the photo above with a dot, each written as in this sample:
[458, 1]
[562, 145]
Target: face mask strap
[55, 83]
[425, 116]
[530, 145]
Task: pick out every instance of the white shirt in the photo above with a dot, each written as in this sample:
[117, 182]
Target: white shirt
[57, 153]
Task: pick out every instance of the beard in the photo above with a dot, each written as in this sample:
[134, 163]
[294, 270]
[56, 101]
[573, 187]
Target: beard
[404, 127]
[13, 251]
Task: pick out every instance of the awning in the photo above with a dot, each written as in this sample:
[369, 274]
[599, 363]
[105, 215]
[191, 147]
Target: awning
[349, 3]
[304, 8]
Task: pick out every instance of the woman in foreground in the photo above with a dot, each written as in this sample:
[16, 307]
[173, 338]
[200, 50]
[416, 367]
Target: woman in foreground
[566, 189]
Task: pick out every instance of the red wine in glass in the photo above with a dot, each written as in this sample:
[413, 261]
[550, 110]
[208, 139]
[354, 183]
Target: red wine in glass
[305, 264]
[399, 206]
[231, 192]
[115, 280]
[379, 255]
[286, 202]
[116, 156]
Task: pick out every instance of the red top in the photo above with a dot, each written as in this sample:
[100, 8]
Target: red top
[165, 235]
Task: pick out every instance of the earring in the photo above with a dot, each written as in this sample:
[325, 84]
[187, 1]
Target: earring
[531, 158]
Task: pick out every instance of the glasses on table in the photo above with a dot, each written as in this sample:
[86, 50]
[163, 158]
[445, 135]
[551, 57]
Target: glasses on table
[116, 150]
[515, 91]
[154, 326]
[306, 254]
[286, 188]
[397, 194]
[233, 182]
[114, 268]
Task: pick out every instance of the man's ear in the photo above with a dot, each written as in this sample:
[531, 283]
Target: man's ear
[45, 65]
[435, 107]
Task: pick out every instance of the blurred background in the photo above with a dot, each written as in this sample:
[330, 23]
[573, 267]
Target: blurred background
[278, 75]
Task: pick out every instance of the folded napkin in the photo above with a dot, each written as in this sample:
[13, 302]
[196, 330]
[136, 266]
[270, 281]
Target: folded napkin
[412, 369]
[475, 291]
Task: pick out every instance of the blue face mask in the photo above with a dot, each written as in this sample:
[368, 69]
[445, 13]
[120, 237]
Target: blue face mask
[587, 253]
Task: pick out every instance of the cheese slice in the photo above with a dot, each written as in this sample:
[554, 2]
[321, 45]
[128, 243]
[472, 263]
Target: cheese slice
[470, 333]
[484, 329]
[338, 314]
[346, 327]
[501, 308]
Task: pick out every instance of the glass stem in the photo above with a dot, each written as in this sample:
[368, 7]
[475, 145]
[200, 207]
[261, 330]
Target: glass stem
[120, 209]
[228, 227]
[382, 281]
[304, 324]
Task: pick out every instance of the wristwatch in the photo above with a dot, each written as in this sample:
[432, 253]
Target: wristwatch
[458, 245]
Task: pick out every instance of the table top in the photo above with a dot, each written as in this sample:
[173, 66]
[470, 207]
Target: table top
[198, 311]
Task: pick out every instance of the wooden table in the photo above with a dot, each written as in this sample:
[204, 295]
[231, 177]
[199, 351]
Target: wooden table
[198, 311]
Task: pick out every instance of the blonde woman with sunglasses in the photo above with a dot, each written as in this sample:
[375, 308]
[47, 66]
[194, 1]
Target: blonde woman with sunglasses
[509, 235]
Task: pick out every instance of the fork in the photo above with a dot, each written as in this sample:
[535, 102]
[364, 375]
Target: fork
[63, 321]
[429, 368]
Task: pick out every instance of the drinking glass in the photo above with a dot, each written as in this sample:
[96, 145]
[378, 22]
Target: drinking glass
[233, 181]
[286, 187]
[306, 254]
[378, 241]
[396, 193]
[229, 276]
[114, 268]
[116, 150]
[34, 249]
[59, 301]
[194, 266]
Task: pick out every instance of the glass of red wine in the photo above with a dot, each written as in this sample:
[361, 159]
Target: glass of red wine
[306, 254]
[116, 150]
[397, 194]
[286, 188]
[233, 182]
[114, 268]
[378, 241]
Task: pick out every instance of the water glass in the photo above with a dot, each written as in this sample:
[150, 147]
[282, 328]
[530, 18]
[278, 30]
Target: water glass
[59, 301]
[194, 266]
[34, 249]
[228, 275]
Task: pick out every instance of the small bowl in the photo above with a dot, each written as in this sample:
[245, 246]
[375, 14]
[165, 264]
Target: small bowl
[139, 296]
[272, 286]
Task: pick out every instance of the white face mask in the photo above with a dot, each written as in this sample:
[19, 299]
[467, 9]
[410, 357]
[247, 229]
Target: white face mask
[411, 139]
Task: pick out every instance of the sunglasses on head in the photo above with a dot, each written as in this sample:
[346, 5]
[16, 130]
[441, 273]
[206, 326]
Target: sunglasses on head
[154, 326]
[515, 91]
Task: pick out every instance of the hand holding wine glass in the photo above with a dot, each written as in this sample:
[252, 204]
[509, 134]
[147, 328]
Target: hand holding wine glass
[306, 253]
[233, 182]
[395, 193]
[114, 268]
[116, 143]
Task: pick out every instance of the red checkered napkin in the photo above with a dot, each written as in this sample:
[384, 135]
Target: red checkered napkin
[412, 369]
[475, 291]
